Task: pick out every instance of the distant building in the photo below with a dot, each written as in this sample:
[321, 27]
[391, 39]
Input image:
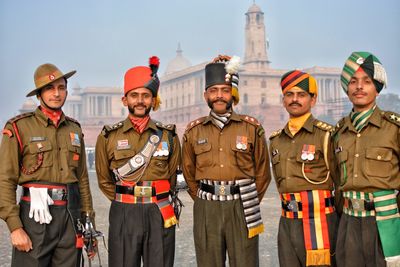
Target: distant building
[182, 88]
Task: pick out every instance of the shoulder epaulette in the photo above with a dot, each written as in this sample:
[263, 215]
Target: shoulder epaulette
[195, 123]
[338, 126]
[169, 127]
[73, 120]
[21, 116]
[107, 128]
[275, 133]
[392, 117]
[324, 126]
[250, 120]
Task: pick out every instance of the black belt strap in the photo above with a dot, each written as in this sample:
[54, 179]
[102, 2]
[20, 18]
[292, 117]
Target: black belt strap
[54, 193]
[234, 189]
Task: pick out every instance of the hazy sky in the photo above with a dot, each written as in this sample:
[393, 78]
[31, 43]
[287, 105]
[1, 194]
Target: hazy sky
[102, 39]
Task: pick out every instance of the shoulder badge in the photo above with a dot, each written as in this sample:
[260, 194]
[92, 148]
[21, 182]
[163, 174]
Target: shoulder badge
[20, 116]
[276, 133]
[169, 127]
[392, 117]
[338, 126]
[195, 123]
[250, 120]
[324, 126]
[107, 128]
[73, 120]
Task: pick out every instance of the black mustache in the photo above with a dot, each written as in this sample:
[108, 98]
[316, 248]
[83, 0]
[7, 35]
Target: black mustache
[295, 103]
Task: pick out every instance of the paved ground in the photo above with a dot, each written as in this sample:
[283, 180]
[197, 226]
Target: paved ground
[184, 253]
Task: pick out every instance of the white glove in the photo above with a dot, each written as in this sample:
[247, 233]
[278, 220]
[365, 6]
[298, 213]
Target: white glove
[40, 202]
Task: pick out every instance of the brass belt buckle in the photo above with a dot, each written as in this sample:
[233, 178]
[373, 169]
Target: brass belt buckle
[222, 190]
[357, 204]
[143, 191]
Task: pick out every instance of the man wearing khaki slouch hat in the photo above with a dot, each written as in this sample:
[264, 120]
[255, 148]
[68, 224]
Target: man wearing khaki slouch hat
[44, 152]
[367, 152]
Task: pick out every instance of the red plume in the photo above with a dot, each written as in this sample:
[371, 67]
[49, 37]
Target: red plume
[154, 62]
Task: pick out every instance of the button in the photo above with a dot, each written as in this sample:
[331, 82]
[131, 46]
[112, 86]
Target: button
[356, 155]
[61, 169]
[379, 157]
[355, 175]
[59, 148]
[222, 165]
[220, 149]
[358, 135]
[293, 141]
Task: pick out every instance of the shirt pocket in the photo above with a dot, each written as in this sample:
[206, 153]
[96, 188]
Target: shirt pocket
[277, 166]
[121, 157]
[158, 168]
[31, 158]
[203, 155]
[74, 155]
[243, 156]
[315, 169]
[378, 162]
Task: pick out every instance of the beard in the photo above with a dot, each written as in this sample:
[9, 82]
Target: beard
[132, 111]
[228, 103]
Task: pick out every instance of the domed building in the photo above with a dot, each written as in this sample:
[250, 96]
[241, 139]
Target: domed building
[178, 63]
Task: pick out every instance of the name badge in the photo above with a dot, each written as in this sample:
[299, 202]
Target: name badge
[37, 138]
[202, 141]
[123, 144]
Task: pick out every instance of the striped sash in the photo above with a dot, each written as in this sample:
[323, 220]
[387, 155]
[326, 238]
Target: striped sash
[315, 227]
[388, 222]
[251, 206]
[162, 188]
[358, 195]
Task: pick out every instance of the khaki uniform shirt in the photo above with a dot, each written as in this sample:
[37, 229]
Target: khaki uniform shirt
[211, 153]
[372, 156]
[287, 162]
[64, 159]
[116, 145]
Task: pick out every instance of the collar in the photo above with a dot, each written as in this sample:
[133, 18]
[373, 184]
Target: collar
[46, 120]
[128, 125]
[375, 119]
[308, 126]
[234, 117]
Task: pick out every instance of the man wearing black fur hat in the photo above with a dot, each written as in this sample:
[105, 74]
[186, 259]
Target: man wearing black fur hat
[226, 166]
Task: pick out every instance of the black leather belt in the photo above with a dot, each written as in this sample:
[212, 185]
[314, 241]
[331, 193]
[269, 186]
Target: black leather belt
[295, 206]
[130, 190]
[358, 204]
[54, 193]
[220, 190]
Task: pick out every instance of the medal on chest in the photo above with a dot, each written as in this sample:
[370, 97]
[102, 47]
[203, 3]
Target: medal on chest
[162, 149]
[308, 152]
[241, 142]
[75, 141]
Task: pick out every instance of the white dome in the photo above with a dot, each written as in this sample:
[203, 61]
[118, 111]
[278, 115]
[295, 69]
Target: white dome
[178, 63]
[254, 9]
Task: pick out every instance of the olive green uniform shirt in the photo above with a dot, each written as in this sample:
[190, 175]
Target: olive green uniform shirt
[64, 159]
[371, 157]
[116, 145]
[286, 151]
[211, 153]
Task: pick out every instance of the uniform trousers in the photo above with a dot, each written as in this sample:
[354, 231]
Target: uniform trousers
[291, 247]
[53, 244]
[137, 234]
[358, 242]
[219, 227]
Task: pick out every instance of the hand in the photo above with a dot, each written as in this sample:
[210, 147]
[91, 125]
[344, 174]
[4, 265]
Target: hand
[40, 202]
[20, 240]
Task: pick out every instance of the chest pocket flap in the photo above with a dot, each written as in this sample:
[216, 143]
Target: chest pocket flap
[123, 154]
[37, 147]
[379, 153]
[202, 148]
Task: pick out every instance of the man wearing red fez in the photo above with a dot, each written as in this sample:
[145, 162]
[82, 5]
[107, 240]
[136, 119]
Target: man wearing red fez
[367, 150]
[136, 164]
[226, 166]
[43, 151]
[302, 156]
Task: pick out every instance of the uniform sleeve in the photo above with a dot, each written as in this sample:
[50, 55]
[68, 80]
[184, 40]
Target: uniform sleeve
[84, 187]
[174, 161]
[261, 163]
[335, 174]
[104, 178]
[9, 173]
[189, 165]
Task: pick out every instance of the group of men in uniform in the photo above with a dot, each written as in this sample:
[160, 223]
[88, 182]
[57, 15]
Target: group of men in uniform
[338, 185]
